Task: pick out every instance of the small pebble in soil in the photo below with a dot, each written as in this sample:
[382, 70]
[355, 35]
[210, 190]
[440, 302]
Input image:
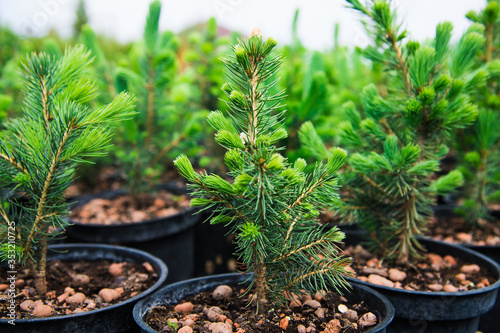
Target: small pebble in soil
[319, 295]
[19, 283]
[333, 326]
[396, 275]
[301, 329]
[351, 315]
[222, 292]
[464, 237]
[185, 308]
[76, 298]
[115, 269]
[470, 269]
[185, 329]
[382, 281]
[320, 313]
[312, 304]
[460, 277]
[148, 267]
[108, 295]
[42, 311]
[27, 305]
[80, 280]
[342, 308]
[450, 261]
[367, 320]
[435, 287]
[295, 304]
[220, 328]
[70, 291]
[449, 288]
[3, 286]
[284, 323]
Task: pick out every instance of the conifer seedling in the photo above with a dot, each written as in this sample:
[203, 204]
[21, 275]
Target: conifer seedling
[479, 146]
[400, 137]
[270, 204]
[39, 152]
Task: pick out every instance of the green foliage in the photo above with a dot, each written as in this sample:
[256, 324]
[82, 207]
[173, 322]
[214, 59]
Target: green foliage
[38, 155]
[160, 124]
[478, 147]
[401, 135]
[271, 205]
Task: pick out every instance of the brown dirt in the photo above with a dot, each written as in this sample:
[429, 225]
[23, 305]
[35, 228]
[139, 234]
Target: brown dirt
[243, 319]
[454, 230]
[119, 210]
[432, 273]
[134, 278]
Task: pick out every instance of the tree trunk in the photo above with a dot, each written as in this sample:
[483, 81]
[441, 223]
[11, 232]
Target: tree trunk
[39, 269]
[260, 286]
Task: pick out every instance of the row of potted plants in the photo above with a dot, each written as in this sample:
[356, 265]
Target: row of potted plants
[271, 205]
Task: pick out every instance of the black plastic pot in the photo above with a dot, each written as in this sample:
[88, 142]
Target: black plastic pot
[422, 311]
[114, 318]
[490, 322]
[170, 238]
[214, 248]
[173, 293]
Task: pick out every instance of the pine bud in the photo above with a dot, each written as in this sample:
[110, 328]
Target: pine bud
[249, 231]
[276, 162]
[256, 32]
[427, 95]
[490, 13]
[227, 88]
[440, 108]
[217, 183]
[456, 88]
[473, 158]
[336, 158]
[279, 134]
[185, 168]
[300, 164]
[238, 99]
[412, 46]
[270, 45]
[441, 83]
[241, 182]
[412, 108]
[263, 141]
[472, 15]
[292, 176]
[229, 140]
[242, 57]
[233, 159]
[199, 202]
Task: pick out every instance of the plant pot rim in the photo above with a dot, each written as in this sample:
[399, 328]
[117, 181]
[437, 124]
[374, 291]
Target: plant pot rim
[162, 276]
[244, 276]
[495, 273]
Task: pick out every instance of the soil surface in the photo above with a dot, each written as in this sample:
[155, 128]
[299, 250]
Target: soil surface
[225, 310]
[119, 210]
[432, 273]
[75, 287]
[454, 230]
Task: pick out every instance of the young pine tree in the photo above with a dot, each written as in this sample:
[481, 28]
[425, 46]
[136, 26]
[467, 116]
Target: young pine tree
[158, 127]
[400, 138]
[481, 163]
[38, 155]
[271, 205]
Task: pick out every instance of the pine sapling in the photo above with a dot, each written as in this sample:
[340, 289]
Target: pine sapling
[38, 155]
[270, 204]
[481, 163]
[400, 138]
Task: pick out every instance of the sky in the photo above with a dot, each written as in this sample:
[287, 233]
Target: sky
[124, 19]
